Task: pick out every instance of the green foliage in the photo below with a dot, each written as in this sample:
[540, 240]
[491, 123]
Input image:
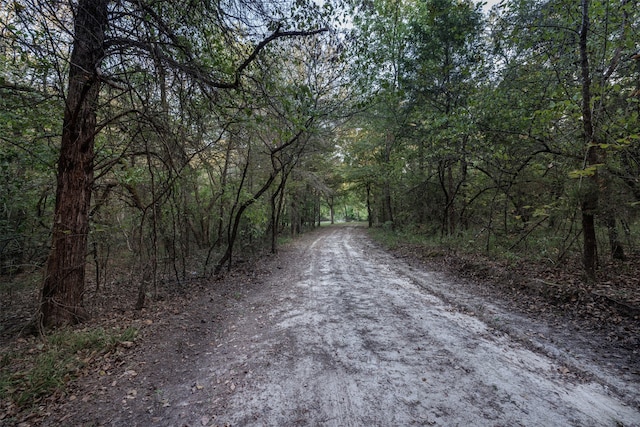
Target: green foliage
[26, 177]
[466, 125]
[587, 171]
[256, 220]
[489, 150]
[30, 114]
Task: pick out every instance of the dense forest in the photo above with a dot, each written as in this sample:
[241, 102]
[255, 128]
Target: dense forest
[158, 141]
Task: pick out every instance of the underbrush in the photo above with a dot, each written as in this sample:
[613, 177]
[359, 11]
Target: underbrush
[391, 239]
[36, 368]
[540, 248]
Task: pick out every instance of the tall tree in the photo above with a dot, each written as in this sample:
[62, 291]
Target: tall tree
[63, 288]
[380, 35]
[590, 198]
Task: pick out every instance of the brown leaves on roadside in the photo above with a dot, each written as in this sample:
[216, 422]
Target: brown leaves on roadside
[612, 302]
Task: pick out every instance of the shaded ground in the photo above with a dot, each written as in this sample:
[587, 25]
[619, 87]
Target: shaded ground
[335, 331]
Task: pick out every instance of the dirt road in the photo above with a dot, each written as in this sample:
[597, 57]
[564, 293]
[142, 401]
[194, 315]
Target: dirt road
[343, 334]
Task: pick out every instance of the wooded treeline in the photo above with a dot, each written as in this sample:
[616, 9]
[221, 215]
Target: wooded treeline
[153, 140]
[157, 138]
[514, 131]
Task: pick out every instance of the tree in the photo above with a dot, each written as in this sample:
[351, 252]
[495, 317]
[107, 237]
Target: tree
[421, 61]
[63, 286]
[113, 46]
[590, 199]
[533, 135]
[441, 72]
[295, 106]
[579, 53]
[383, 25]
[28, 115]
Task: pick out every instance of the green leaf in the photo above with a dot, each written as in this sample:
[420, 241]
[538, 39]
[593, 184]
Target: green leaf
[586, 172]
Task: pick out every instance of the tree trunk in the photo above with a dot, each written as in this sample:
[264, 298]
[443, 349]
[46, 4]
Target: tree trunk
[63, 287]
[274, 223]
[332, 213]
[233, 231]
[590, 197]
[451, 207]
[293, 217]
[387, 210]
[617, 249]
[442, 177]
[369, 211]
[223, 186]
[276, 209]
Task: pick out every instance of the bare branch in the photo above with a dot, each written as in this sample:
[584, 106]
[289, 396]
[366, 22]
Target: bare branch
[199, 73]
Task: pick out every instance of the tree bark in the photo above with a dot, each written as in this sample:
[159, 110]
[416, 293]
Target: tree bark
[387, 209]
[63, 287]
[369, 210]
[590, 196]
[233, 231]
[276, 209]
[617, 250]
[451, 206]
[332, 213]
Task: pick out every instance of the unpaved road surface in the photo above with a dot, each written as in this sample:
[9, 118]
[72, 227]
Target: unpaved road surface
[343, 334]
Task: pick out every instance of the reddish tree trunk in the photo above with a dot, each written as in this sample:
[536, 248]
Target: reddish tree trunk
[63, 287]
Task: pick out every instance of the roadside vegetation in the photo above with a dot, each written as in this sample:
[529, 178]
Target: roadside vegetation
[36, 369]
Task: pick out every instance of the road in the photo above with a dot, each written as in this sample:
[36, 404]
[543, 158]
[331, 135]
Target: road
[340, 333]
[355, 340]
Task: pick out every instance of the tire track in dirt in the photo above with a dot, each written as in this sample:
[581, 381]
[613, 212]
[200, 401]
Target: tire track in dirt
[354, 341]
